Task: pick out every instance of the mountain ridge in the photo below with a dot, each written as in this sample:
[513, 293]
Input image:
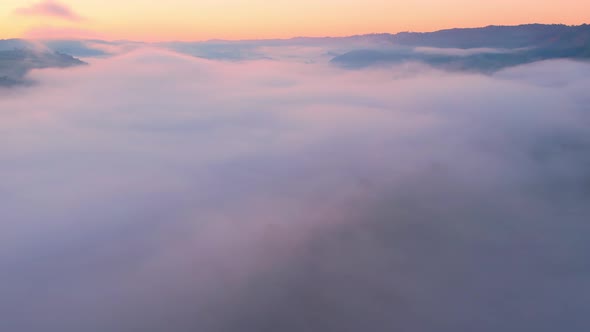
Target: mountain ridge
[15, 64]
[499, 47]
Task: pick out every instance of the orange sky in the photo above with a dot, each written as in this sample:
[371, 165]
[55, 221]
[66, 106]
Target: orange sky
[155, 20]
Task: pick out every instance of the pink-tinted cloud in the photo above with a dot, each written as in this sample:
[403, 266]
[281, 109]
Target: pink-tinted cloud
[49, 8]
[153, 191]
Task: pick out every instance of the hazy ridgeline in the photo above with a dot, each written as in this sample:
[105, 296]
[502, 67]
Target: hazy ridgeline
[153, 191]
[481, 50]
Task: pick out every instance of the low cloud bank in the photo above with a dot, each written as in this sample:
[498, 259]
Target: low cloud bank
[158, 192]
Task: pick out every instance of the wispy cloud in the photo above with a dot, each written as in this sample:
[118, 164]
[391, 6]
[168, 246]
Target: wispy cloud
[49, 8]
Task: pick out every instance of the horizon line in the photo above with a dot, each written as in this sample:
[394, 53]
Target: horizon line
[293, 37]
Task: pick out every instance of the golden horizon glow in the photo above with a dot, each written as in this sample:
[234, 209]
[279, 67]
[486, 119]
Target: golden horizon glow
[183, 20]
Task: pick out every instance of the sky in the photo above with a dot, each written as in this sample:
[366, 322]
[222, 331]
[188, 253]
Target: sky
[155, 20]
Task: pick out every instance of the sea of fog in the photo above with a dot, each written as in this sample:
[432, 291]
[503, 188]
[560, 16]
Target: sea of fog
[153, 191]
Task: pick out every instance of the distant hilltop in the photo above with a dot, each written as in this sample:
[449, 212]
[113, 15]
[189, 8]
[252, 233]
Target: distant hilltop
[16, 63]
[510, 37]
[485, 49]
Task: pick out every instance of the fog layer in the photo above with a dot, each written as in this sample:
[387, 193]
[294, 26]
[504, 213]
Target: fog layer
[153, 191]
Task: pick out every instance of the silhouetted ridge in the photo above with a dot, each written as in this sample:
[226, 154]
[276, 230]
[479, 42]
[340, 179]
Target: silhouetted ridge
[16, 63]
[479, 49]
[494, 36]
